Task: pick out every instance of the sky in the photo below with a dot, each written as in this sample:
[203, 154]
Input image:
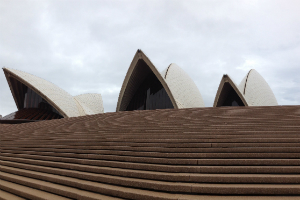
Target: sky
[86, 46]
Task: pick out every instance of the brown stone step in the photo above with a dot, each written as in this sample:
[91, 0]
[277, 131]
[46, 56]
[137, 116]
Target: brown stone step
[164, 157]
[241, 139]
[99, 173]
[213, 140]
[175, 133]
[8, 196]
[163, 150]
[153, 140]
[243, 169]
[236, 197]
[207, 162]
[221, 130]
[231, 145]
[150, 150]
[93, 145]
[45, 190]
[168, 130]
[26, 192]
[193, 188]
[109, 190]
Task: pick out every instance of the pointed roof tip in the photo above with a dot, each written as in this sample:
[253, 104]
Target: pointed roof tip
[172, 64]
[7, 71]
[140, 55]
[220, 93]
[140, 51]
[251, 70]
[165, 72]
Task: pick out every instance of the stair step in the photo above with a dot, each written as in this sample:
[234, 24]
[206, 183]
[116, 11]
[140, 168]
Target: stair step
[244, 168]
[163, 186]
[152, 150]
[76, 144]
[112, 174]
[110, 190]
[197, 153]
[46, 188]
[8, 196]
[26, 192]
[163, 158]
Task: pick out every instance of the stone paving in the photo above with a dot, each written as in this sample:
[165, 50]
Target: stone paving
[197, 153]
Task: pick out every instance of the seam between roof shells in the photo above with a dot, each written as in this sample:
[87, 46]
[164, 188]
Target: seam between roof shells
[246, 81]
[167, 71]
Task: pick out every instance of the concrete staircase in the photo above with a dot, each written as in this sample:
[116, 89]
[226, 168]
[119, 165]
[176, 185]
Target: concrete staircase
[199, 153]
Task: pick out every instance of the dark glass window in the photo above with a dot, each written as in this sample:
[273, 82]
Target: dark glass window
[232, 99]
[27, 98]
[150, 95]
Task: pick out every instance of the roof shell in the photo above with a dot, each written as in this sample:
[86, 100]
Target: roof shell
[134, 78]
[220, 93]
[256, 90]
[62, 101]
[90, 103]
[183, 88]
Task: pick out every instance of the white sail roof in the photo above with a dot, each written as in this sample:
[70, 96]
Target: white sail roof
[61, 100]
[90, 103]
[256, 90]
[183, 88]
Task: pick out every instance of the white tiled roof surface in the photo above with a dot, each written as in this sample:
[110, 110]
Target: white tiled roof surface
[90, 103]
[182, 87]
[256, 90]
[60, 98]
[85, 104]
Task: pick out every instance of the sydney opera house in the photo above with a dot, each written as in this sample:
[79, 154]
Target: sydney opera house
[144, 88]
[162, 143]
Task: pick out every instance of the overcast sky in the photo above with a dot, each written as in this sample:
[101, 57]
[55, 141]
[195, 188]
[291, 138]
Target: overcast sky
[87, 46]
